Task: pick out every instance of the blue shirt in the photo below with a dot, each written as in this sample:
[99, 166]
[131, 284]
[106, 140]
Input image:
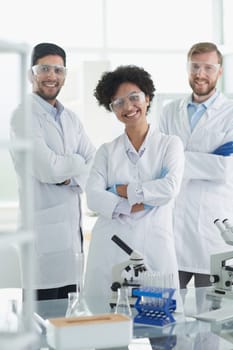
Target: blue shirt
[55, 112]
[196, 110]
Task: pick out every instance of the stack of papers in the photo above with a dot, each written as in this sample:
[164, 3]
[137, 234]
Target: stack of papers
[222, 314]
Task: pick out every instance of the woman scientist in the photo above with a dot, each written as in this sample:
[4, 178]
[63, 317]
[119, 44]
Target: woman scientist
[132, 184]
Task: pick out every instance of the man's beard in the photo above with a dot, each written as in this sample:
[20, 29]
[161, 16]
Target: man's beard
[203, 92]
[47, 97]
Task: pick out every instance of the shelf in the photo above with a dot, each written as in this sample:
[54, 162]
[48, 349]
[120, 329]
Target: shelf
[8, 47]
[10, 237]
[19, 341]
[20, 145]
[9, 234]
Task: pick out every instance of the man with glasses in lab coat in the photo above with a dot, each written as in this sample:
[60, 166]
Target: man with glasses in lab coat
[62, 157]
[204, 122]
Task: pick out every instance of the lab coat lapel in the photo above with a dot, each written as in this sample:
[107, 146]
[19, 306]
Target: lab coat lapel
[201, 122]
[42, 114]
[51, 120]
[67, 133]
[183, 116]
[206, 117]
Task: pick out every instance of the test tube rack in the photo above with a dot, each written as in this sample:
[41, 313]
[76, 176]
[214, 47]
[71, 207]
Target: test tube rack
[155, 306]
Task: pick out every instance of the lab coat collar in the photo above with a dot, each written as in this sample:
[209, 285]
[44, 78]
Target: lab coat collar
[214, 103]
[218, 98]
[206, 103]
[48, 111]
[51, 110]
[219, 101]
[129, 146]
[184, 102]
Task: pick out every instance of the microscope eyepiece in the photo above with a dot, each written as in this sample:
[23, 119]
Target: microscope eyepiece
[122, 244]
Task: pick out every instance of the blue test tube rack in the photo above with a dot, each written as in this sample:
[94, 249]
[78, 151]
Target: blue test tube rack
[155, 306]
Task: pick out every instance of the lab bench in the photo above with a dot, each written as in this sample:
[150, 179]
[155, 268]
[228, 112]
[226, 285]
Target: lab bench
[188, 332]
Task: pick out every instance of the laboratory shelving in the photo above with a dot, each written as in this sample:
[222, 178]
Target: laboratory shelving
[25, 337]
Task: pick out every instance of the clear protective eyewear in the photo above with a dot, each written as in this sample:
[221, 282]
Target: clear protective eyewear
[133, 97]
[45, 69]
[208, 68]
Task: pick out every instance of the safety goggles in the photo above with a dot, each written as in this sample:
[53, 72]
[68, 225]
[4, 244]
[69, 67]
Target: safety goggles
[134, 98]
[45, 69]
[208, 68]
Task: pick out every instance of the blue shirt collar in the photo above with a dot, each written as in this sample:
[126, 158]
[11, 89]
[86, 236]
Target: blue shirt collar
[55, 112]
[129, 147]
[206, 103]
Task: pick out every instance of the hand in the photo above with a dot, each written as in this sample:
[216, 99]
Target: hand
[224, 150]
[122, 190]
[163, 173]
[147, 206]
[137, 207]
[112, 189]
[66, 182]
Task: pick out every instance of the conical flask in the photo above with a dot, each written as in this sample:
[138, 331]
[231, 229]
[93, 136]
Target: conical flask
[123, 306]
[72, 300]
[80, 307]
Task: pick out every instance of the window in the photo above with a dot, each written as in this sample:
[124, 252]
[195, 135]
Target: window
[69, 23]
[102, 34]
[158, 24]
[227, 22]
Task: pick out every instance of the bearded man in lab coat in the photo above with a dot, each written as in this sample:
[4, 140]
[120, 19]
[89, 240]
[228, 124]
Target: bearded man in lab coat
[62, 156]
[204, 122]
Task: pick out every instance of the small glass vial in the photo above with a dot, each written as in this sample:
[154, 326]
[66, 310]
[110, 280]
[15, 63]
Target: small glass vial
[123, 306]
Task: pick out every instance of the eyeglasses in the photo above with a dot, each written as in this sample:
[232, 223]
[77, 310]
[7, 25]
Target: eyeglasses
[134, 98]
[45, 69]
[208, 68]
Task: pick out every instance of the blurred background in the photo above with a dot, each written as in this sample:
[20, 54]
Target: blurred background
[99, 35]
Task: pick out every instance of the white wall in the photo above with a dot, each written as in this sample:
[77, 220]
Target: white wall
[102, 126]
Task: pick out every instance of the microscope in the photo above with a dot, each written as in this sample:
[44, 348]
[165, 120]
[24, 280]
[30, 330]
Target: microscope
[221, 273]
[126, 273]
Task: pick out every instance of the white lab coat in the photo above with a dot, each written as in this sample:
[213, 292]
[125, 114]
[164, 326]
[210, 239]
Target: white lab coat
[58, 155]
[149, 231]
[207, 188]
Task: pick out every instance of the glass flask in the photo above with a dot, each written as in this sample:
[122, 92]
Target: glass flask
[123, 306]
[77, 305]
[79, 271]
[72, 299]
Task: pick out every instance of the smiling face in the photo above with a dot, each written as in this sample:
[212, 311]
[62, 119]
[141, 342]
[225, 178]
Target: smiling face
[133, 107]
[203, 80]
[48, 85]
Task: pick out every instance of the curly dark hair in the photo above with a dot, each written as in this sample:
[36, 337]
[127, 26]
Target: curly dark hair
[110, 81]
